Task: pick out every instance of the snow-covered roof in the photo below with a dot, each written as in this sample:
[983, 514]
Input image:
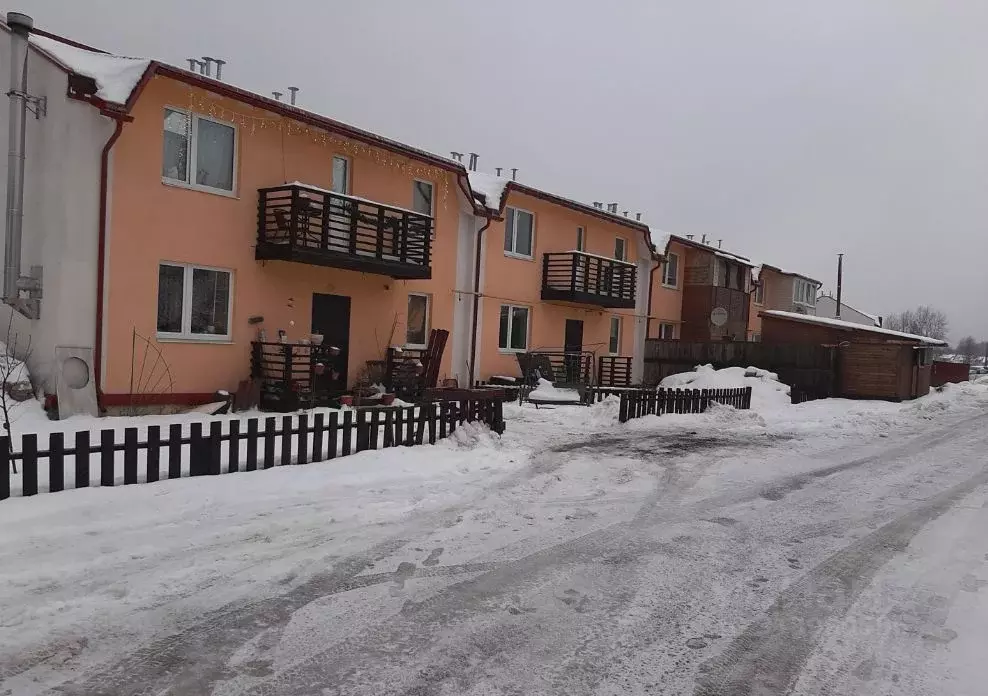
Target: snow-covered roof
[115, 76]
[490, 187]
[756, 273]
[660, 239]
[838, 323]
[716, 251]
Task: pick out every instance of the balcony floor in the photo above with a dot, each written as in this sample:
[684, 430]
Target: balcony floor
[588, 298]
[350, 262]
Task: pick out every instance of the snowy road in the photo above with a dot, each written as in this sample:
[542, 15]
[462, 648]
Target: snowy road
[839, 550]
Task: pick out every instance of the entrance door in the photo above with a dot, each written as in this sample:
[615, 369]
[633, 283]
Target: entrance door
[331, 318]
[572, 346]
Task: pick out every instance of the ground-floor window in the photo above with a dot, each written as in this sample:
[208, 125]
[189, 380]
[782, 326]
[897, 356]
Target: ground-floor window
[513, 330]
[667, 331]
[194, 302]
[756, 337]
[614, 342]
[417, 322]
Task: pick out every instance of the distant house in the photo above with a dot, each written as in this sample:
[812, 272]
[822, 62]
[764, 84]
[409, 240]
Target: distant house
[776, 289]
[826, 306]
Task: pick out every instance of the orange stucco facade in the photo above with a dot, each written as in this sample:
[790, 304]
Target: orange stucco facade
[509, 280]
[667, 298]
[152, 222]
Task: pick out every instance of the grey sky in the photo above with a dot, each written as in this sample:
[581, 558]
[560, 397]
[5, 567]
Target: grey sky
[790, 129]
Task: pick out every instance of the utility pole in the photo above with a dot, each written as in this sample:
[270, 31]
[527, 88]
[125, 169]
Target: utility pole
[840, 282]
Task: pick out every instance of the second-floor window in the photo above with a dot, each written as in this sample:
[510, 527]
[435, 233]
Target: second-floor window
[804, 292]
[581, 239]
[620, 249]
[198, 152]
[422, 197]
[760, 293]
[519, 232]
[670, 272]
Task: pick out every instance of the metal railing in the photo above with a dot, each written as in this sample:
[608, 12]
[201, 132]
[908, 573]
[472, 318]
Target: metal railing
[578, 277]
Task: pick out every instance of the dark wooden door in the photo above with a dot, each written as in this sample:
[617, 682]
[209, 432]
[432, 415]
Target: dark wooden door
[572, 345]
[331, 318]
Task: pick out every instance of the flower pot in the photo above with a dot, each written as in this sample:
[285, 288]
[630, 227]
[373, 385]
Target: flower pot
[387, 399]
[316, 339]
[346, 400]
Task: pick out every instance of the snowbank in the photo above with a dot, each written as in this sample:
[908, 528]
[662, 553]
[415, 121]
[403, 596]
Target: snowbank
[546, 391]
[767, 392]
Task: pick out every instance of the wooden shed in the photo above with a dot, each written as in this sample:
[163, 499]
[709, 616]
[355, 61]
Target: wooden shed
[872, 362]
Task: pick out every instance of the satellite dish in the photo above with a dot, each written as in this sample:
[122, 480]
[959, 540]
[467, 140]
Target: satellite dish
[718, 317]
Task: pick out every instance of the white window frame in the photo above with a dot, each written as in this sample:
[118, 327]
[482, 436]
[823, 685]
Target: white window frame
[610, 331]
[624, 249]
[349, 174]
[581, 238]
[665, 269]
[191, 154]
[528, 328]
[672, 330]
[186, 335]
[760, 293]
[514, 234]
[432, 199]
[428, 320]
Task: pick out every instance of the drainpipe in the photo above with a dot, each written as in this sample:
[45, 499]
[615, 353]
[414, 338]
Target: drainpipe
[101, 249]
[648, 303]
[20, 28]
[476, 300]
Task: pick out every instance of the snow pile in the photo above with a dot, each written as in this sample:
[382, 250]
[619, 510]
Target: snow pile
[490, 187]
[951, 397]
[115, 76]
[546, 391]
[767, 392]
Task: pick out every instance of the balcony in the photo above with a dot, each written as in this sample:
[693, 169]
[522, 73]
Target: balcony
[577, 277]
[315, 226]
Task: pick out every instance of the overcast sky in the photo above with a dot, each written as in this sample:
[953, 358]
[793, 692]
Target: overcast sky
[792, 130]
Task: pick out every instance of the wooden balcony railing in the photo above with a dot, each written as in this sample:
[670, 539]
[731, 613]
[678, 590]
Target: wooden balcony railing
[577, 277]
[311, 225]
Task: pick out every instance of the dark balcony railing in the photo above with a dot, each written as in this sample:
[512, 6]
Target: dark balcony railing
[577, 277]
[315, 226]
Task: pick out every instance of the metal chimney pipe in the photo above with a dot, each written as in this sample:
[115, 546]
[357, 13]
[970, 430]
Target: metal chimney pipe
[192, 64]
[514, 173]
[219, 67]
[626, 213]
[202, 67]
[638, 217]
[498, 169]
[20, 28]
[840, 282]
[473, 161]
[719, 241]
[294, 91]
[703, 239]
[208, 62]
[597, 204]
[277, 95]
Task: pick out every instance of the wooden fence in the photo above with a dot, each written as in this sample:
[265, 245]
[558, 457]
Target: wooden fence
[264, 443]
[614, 371]
[654, 402]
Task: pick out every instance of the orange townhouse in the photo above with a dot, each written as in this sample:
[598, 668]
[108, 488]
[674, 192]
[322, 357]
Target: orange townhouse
[665, 307]
[779, 290]
[556, 276]
[228, 220]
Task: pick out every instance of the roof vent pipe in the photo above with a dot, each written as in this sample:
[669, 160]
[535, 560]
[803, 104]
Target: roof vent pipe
[719, 241]
[703, 239]
[638, 217]
[192, 64]
[612, 208]
[294, 91]
[626, 213]
[458, 156]
[20, 28]
[219, 67]
[498, 170]
[473, 162]
[207, 63]
[277, 95]
[514, 173]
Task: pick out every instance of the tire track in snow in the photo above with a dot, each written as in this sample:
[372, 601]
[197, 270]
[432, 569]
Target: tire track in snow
[766, 658]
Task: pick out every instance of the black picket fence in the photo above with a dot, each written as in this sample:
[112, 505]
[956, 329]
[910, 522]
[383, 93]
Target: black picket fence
[266, 442]
[655, 402]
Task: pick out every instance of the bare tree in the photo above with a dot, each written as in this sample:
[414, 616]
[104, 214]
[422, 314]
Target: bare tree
[968, 347]
[924, 321]
[15, 384]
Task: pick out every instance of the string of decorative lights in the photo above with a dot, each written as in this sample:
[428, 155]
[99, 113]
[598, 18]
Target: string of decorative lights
[201, 101]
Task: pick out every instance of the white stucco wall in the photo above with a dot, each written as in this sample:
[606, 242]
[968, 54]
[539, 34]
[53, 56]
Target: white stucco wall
[61, 209]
